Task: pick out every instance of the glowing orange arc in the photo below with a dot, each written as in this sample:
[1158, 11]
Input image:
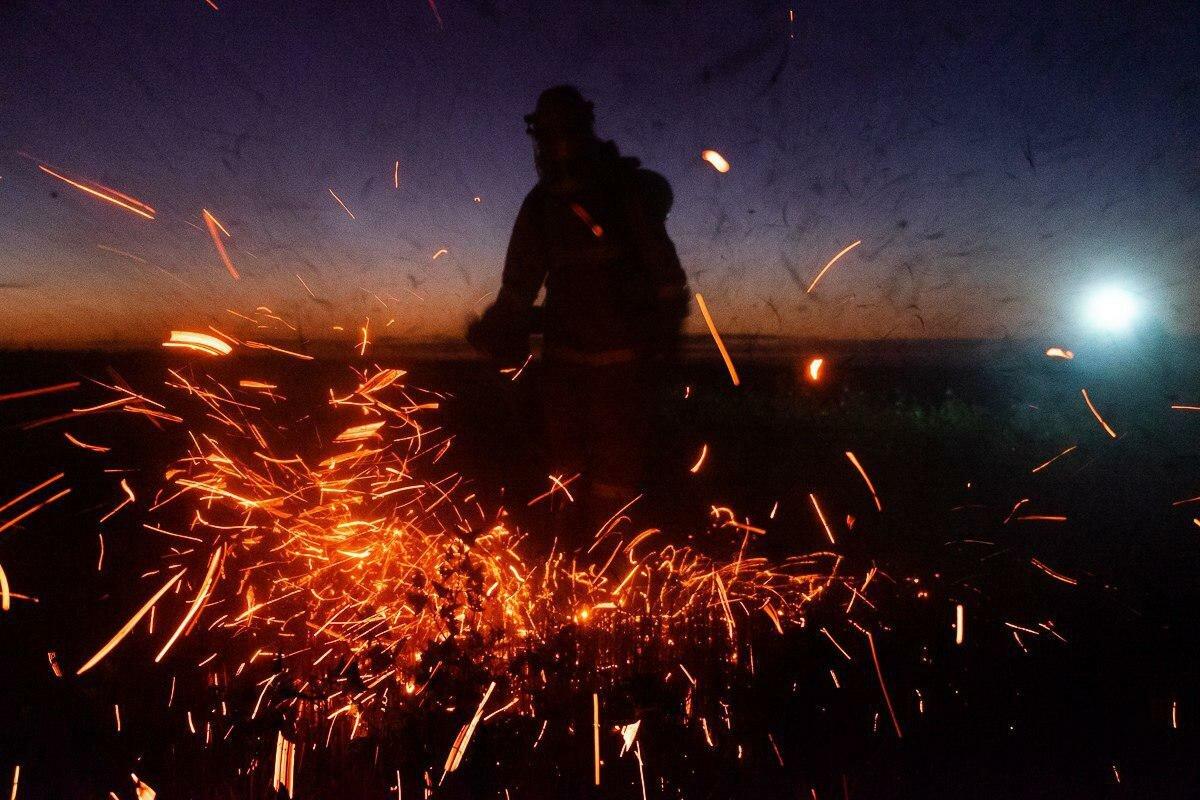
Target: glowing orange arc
[832, 261]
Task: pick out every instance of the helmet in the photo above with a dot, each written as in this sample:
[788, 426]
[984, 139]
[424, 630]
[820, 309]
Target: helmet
[561, 113]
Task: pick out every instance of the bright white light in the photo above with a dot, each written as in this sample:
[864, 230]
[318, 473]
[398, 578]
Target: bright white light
[1113, 309]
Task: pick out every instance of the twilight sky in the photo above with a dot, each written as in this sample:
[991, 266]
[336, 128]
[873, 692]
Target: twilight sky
[994, 165]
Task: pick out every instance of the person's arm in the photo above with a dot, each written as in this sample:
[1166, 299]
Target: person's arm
[525, 262]
[503, 330]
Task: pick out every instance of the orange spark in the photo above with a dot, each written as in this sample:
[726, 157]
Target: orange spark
[866, 479]
[459, 748]
[1096, 414]
[717, 338]
[5, 595]
[273, 348]
[215, 229]
[396, 175]
[821, 516]
[958, 624]
[129, 626]
[1058, 576]
[95, 448]
[362, 346]
[200, 342]
[1045, 464]
[214, 562]
[305, 285]
[29, 511]
[58, 387]
[832, 261]
[105, 193]
[285, 766]
[340, 203]
[883, 687]
[559, 484]
[834, 642]
[1058, 352]
[29, 492]
[699, 461]
[814, 369]
[359, 432]
[715, 159]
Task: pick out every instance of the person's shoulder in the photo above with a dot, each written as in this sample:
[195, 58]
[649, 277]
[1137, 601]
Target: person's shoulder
[655, 191]
[535, 197]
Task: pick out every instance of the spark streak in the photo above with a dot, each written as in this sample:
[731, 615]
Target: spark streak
[866, 479]
[200, 342]
[717, 338]
[1096, 414]
[198, 602]
[1045, 464]
[832, 261]
[883, 686]
[106, 194]
[5, 594]
[215, 229]
[59, 387]
[95, 448]
[1058, 576]
[340, 203]
[129, 626]
[821, 516]
[459, 749]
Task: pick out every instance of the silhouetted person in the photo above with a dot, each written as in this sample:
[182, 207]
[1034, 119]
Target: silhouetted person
[593, 232]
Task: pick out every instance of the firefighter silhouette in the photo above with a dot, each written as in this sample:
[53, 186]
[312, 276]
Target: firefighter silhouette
[592, 231]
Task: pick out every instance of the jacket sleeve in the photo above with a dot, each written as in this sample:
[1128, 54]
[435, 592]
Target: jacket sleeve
[525, 262]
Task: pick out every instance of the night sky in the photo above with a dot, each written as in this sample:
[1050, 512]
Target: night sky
[995, 166]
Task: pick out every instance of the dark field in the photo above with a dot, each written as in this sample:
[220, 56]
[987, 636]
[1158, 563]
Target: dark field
[1096, 696]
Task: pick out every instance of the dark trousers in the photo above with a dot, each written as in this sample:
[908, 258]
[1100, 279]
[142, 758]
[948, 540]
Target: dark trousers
[597, 425]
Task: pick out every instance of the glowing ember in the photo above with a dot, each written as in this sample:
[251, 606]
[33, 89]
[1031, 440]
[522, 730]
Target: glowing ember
[814, 369]
[200, 342]
[717, 160]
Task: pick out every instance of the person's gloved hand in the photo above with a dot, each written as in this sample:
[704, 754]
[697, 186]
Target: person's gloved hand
[501, 333]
